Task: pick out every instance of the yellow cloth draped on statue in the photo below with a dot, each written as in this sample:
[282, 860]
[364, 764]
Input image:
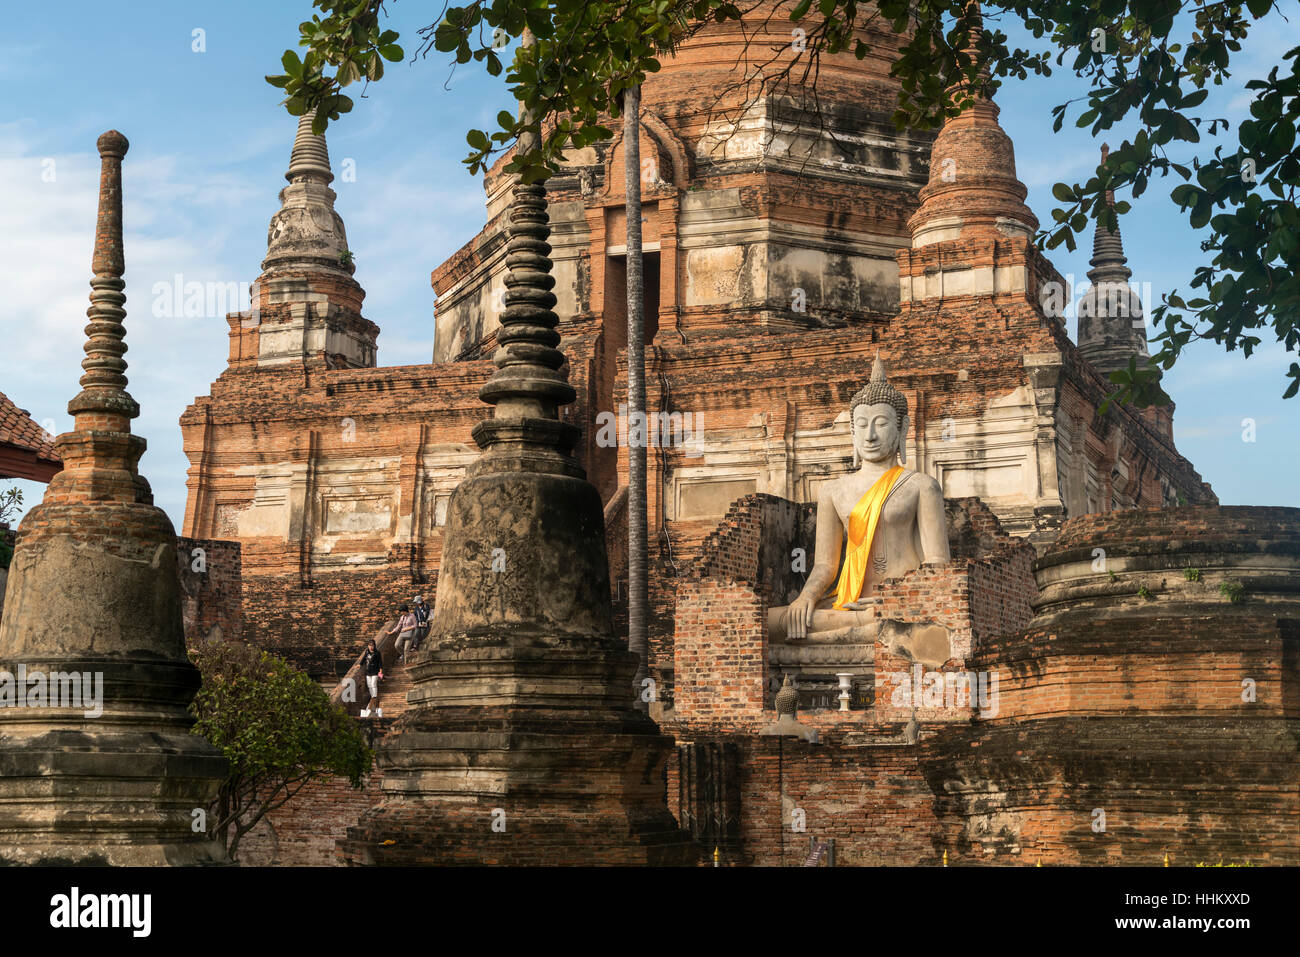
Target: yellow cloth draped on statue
[863, 521]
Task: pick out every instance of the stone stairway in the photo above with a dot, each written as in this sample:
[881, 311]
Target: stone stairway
[392, 689]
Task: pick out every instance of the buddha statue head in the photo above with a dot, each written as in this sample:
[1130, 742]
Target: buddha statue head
[878, 420]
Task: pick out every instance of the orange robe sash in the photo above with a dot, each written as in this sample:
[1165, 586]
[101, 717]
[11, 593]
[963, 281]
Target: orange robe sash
[863, 521]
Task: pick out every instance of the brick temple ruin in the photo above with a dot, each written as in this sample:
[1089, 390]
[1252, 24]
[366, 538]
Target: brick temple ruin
[788, 243]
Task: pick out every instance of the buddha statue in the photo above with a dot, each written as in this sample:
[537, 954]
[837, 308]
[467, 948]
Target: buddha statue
[888, 517]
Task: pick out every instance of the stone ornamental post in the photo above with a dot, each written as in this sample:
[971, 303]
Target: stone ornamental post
[522, 744]
[97, 763]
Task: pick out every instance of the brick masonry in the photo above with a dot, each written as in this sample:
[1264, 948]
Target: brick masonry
[1127, 727]
[212, 604]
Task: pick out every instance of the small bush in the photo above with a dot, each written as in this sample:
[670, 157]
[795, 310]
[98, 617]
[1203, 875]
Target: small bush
[1233, 591]
[278, 729]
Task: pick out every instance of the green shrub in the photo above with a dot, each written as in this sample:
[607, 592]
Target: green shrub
[1233, 591]
[277, 728]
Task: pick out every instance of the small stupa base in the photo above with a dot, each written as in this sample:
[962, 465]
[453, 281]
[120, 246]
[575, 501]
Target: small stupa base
[523, 783]
[126, 787]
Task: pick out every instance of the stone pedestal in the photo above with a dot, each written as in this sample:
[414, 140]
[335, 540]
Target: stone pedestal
[533, 782]
[522, 745]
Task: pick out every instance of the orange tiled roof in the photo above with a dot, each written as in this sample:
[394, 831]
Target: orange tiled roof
[18, 430]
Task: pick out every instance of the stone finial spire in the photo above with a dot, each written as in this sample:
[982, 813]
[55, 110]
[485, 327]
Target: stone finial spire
[104, 383]
[310, 158]
[1112, 326]
[973, 188]
[308, 304]
[100, 455]
[1109, 264]
[527, 447]
[528, 386]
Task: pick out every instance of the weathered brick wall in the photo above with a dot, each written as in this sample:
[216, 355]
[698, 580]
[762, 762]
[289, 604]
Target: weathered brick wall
[322, 627]
[870, 796]
[212, 590]
[720, 669]
[285, 461]
[1002, 592]
[1143, 692]
[303, 832]
[1148, 666]
[1200, 790]
[1228, 529]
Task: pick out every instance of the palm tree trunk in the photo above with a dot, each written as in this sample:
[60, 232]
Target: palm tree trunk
[638, 427]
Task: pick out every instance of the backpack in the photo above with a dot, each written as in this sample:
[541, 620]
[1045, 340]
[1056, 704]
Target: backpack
[421, 615]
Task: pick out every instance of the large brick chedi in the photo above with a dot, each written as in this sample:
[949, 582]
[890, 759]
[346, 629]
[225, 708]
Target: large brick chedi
[94, 604]
[522, 744]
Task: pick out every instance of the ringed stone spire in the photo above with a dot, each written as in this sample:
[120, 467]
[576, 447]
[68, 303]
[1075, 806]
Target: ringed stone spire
[310, 158]
[523, 707]
[1112, 325]
[973, 188]
[101, 768]
[307, 232]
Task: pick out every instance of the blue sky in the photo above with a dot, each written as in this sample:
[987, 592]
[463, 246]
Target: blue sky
[210, 143]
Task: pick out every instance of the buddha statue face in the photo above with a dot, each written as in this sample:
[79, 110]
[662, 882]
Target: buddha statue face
[878, 433]
[878, 419]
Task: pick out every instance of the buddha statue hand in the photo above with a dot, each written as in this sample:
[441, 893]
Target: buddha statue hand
[861, 605]
[799, 617]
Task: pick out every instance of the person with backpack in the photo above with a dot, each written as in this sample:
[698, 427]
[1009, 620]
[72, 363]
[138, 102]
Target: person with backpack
[372, 665]
[405, 631]
[423, 621]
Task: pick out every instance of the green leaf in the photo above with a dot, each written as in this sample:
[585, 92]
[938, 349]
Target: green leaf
[347, 73]
[292, 65]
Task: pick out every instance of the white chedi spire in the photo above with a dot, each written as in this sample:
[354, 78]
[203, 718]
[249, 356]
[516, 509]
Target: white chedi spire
[1112, 325]
[307, 235]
